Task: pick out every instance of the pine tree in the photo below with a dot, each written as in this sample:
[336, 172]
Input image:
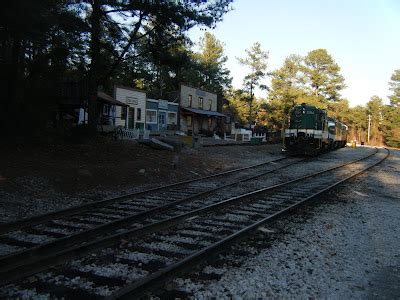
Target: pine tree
[323, 76]
[374, 110]
[286, 90]
[212, 60]
[256, 61]
[391, 120]
[395, 88]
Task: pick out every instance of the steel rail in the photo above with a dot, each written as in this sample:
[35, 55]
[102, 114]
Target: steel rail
[41, 264]
[150, 282]
[20, 224]
[19, 258]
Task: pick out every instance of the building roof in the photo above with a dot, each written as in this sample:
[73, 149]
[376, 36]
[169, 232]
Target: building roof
[204, 112]
[108, 99]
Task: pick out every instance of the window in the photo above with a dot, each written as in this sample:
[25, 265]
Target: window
[172, 118]
[209, 104]
[190, 101]
[151, 116]
[123, 113]
[201, 102]
[138, 114]
[189, 121]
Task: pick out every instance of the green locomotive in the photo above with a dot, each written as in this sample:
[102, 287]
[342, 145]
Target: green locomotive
[311, 131]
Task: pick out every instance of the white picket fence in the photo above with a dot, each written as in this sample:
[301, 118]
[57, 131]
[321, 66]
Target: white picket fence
[241, 134]
[262, 136]
[133, 134]
[244, 135]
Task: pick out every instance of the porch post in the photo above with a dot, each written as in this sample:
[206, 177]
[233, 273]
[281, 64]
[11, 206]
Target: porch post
[193, 141]
[126, 116]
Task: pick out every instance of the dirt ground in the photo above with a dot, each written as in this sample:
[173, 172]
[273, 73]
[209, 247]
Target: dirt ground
[35, 179]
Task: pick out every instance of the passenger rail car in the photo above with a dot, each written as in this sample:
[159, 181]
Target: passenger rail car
[311, 131]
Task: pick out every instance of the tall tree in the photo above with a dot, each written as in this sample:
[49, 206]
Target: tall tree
[374, 110]
[286, 89]
[323, 76]
[236, 106]
[340, 110]
[391, 120]
[395, 88]
[212, 59]
[256, 61]
[391, 125]
[358, 123]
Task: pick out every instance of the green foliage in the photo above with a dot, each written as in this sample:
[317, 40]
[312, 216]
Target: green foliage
[256, 61]
[358, 123]
[340, 110]
[323, 76]
[391, 113]
[103, 43]
[286, 90]
[263, 112]
[395, 88]
[212, 51]
[237, 106]
[374, 110]
[164, 68]
[211, 58]
[313, 79]
[391, 125]
[37, 39]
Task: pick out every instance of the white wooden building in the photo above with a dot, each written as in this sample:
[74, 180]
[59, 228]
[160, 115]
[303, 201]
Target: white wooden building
[134, 116]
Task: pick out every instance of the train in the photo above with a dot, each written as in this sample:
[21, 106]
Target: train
[311, 131]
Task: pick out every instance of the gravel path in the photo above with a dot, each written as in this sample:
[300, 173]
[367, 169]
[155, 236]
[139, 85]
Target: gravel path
[347, 247]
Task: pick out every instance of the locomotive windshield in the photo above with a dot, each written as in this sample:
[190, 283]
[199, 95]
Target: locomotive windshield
[331, 126]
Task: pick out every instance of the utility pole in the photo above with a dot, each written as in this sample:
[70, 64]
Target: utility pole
[369, 126]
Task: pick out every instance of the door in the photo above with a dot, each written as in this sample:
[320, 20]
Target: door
[209, 125]
[131, 118]
[162, 124]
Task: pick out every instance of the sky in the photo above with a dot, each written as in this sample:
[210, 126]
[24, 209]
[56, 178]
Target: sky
[362, 36]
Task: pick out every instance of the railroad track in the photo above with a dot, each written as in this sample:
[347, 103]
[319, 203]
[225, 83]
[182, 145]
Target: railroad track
[34, 237]
[163, 246]
[31, 232]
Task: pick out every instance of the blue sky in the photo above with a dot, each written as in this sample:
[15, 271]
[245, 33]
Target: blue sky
[362, 36]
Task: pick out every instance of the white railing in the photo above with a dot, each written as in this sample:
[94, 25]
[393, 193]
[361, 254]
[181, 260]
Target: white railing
[131, 134]
[241, 134]
[262, 136]
[146, 134]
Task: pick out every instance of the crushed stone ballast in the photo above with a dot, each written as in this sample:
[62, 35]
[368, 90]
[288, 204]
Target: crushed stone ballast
[168, 245]
[35, 242]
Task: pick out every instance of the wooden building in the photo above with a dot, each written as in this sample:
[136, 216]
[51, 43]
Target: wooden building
[161, 115]
[134, 115]
[198, 111]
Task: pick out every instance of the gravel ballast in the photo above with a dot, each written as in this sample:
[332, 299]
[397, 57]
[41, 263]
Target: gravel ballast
[344, 247]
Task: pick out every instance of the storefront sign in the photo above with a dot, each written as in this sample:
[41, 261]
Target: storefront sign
[163, 104]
